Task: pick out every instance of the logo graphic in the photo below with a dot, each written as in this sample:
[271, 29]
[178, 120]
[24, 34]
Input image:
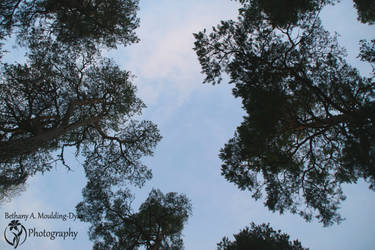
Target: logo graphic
[15, 233]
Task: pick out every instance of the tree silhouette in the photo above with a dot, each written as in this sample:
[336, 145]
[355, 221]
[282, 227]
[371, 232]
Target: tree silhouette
[12, 182]
[157, 224]
[262, 237]
[67, 97]
[310, 116]
[285, 12]
[98, 22]
[366, 11]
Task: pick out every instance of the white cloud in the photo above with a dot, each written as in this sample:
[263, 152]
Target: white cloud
[164, 61]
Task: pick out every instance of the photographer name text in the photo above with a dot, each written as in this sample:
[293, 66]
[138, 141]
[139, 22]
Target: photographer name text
[41, 216]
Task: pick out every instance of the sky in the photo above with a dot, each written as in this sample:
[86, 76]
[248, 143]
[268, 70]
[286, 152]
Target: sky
[196, 120]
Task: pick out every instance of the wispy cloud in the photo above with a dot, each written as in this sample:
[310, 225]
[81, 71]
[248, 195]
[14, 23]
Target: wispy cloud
[164, 61]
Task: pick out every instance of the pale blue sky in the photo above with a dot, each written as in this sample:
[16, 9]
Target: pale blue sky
[196, 120]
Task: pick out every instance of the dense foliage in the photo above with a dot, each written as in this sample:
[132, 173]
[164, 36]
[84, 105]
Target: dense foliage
[262, 237]
[285, 12]
[157, 224]
[366, 10]
[310, 115]
[97, 22]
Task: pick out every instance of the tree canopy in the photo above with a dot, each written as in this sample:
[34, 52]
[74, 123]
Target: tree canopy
[157, 224]
[284, 12]
[97, 22]
[262, 237]
[66, 97]
[365, 10]
[310, 115]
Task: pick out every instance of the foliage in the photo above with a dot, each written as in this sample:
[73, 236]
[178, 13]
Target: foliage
[310, 116]
[12, 183]
[157, 224]
[366, 10]
[67, 97]
[285, 12]
[262, 237]
[98, 22]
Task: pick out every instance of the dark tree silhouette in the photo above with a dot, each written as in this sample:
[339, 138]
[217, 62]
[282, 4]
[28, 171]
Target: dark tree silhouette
[99, 22]
[310, 116]
[157, 224]
[286, 12]
[64, 97]
[67, 96]
[12, 182]
[366, 10]
[262, 237]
